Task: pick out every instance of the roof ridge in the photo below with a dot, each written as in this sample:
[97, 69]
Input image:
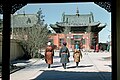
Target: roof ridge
[75, 14]
[24, 14]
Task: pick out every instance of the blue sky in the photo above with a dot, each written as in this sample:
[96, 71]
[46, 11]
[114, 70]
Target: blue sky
[53, 13]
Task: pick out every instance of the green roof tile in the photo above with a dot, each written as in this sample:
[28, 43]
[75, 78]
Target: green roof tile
[75, 19]
[22, 20]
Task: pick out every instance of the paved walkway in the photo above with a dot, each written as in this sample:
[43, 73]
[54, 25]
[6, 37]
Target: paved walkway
[93, 66]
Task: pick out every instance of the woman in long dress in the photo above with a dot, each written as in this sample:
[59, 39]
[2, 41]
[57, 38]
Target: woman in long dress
[77, 54]
[49, 53]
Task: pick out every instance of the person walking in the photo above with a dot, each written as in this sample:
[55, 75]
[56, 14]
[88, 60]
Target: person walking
[76, 55]
[97, 47]
[49, 53]
[108, 46]
[77, 46]
[64, 55]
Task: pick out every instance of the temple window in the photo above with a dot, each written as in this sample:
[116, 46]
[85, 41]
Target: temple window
[83, 41]
[61, 40]
[29, 20]
[67, 20]
[89, 20]
[77, 36]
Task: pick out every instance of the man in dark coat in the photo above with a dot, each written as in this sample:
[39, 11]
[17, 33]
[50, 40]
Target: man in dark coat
[64, 55]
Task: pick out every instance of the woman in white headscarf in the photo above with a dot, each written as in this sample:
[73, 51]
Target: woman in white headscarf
[49, 53]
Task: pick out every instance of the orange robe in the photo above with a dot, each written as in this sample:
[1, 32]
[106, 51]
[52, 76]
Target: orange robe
[97, 48]
[76, 55]
[49, 55]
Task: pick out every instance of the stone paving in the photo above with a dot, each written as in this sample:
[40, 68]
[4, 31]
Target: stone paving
[93, 66]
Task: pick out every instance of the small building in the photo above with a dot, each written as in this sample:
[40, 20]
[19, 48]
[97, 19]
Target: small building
[77, 28]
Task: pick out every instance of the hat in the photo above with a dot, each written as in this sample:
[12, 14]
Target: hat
[64, 43]
[49, 43]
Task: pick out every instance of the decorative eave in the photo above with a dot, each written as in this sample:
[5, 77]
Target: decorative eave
[51, 29]
[102, 25]
[98, 28]
[53, 26]
[94, 24]
[105, 5]
[62, 24]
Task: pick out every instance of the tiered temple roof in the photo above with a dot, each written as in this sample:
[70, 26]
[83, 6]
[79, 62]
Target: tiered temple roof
[78, 23]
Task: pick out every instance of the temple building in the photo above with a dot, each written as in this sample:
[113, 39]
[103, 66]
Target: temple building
[77, 28]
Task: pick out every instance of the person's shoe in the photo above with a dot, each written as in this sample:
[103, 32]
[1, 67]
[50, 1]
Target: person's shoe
[64, 67]
[48, 66]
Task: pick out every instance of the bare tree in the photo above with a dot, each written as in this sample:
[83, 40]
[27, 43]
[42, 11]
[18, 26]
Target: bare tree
[37, 38]
[34, 37]
[67, 29]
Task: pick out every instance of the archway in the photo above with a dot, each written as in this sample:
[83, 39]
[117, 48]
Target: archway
[6, 10]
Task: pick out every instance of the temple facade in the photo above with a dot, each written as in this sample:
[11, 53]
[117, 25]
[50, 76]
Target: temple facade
[77, 28]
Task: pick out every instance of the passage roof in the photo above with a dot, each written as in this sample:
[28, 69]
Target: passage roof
[15, 7]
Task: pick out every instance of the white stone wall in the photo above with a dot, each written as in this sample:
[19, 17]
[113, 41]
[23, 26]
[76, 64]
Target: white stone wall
[15, 50]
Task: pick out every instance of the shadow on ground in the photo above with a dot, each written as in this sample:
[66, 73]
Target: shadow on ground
[55, 66]
[68, 75]
[20, 61]
[106, 58]
[109, 66]
[80, 66]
